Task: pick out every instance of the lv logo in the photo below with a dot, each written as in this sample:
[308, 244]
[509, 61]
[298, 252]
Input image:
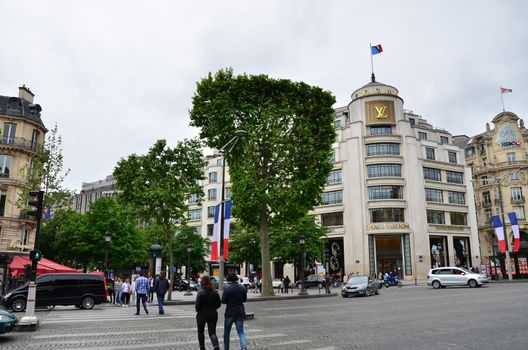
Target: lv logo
[382, 112]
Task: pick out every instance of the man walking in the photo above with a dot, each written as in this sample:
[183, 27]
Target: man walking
[287, 282]
[141, 289]
[234, 297]
[161, 286]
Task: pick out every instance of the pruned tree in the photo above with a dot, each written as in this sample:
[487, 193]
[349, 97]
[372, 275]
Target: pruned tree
[279, 169]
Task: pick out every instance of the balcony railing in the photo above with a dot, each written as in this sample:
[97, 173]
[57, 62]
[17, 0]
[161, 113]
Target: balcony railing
[497, 166]
[518, 199]
[20, 142]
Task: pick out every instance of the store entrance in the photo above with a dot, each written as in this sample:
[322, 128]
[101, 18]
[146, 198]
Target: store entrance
[389, 255]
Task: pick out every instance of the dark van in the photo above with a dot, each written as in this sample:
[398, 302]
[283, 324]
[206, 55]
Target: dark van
[83, 290]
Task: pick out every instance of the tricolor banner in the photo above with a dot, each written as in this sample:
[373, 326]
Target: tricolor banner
[227, 219]
[214, 244]
[516, 234]
[499, 231]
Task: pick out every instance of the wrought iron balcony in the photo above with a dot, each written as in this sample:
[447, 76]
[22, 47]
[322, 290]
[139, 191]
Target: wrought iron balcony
[20, 142]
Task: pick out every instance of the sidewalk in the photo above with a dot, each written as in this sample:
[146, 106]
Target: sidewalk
[424, 282]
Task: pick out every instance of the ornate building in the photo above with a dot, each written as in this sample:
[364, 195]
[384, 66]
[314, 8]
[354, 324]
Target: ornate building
[499, 159]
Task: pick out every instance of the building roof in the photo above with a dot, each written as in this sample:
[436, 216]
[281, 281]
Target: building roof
[17, 107]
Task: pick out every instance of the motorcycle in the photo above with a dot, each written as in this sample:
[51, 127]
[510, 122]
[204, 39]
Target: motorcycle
[393, 281]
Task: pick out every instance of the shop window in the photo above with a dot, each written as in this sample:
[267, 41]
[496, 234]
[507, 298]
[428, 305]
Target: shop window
[438, 251]
[462, 251]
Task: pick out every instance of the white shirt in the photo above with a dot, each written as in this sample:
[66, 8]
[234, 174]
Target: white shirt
[245, 280]
[126, 287]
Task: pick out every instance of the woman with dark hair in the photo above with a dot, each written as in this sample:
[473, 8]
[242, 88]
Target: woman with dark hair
[207, 302]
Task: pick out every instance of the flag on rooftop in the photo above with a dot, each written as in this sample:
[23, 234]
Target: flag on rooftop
[504, 90]
[374, 50]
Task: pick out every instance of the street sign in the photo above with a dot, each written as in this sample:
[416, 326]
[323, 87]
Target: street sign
[138, 268]
[174, 269]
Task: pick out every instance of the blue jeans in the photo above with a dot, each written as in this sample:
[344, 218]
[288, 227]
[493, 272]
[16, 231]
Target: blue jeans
[161, 298]
[118, 298]
[239, 324]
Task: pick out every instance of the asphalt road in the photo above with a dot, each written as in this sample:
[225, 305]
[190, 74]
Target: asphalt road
[492, 317]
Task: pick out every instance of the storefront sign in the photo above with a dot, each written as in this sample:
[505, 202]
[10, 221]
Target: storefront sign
[16, 245]
[449, 228]
[509, 137]
[389, 226]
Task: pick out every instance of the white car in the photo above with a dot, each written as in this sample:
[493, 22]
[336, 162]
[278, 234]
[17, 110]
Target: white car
[442, 277]
[276, 283]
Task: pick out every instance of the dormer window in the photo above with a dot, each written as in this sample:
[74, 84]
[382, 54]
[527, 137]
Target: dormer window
[14, 104]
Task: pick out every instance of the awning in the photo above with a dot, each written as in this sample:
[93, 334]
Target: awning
[44, 266]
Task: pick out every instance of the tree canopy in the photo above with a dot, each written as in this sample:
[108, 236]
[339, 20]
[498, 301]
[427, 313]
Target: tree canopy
[278, 170]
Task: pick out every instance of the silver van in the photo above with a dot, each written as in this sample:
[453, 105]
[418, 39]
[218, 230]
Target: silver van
[442, 277]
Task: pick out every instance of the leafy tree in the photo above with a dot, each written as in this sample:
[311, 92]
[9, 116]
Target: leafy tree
[280, 168]
[244, 247]
[198, 253]
[158, 184]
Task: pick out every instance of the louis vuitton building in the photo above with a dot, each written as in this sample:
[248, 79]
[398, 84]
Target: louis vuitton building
[400, 197]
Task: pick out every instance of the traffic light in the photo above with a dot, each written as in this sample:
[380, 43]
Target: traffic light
[35, 255]
[27, 272]
[37, 203]
[327, 254]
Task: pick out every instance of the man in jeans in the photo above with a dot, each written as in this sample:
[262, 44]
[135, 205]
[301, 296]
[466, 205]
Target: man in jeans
[161, 286]
[234, 297]
[141, 289]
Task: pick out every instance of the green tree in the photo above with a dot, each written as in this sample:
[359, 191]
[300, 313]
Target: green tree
[244, 247]
[279, 169]
[158, 184]
[188, 235]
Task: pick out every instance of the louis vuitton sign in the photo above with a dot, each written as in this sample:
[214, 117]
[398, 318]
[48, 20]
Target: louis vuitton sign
[389, 226]
[380, 112]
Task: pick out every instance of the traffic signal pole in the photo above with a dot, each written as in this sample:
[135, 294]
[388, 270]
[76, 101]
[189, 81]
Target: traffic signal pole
[29, 321]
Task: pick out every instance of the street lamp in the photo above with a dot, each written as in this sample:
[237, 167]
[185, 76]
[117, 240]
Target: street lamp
[189, 250]
[107, 238]
[224, 151]
[303, 287]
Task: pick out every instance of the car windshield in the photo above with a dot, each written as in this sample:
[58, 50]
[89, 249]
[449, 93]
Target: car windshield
[358, 280]
[465, 270]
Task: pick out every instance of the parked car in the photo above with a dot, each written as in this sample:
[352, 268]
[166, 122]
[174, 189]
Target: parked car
[442, 277]
[276, 283]
[312, 281]
[181, 285]
[215, 281]
[361, 285]
[7, 321]
[83, 290]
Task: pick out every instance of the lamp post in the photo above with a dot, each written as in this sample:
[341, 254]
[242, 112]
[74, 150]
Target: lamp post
[303, 287]
[189, 250]
[224, 151]
[107, 238]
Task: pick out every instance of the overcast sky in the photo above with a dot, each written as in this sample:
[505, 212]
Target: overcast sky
[115, 76]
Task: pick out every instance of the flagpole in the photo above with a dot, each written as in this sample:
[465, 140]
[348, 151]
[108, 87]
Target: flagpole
[502, 102]
[373, 78]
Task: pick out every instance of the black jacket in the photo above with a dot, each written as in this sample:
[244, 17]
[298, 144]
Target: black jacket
[161, 285]
[234, 297]
[207, 302]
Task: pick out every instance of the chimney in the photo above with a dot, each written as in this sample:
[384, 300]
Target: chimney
[25, 94]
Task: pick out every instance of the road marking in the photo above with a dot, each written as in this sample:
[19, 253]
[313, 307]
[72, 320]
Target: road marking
[136, 318]
[290, 342]
[73, 335]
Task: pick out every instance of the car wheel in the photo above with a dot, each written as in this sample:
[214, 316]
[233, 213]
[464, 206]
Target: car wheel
[87, 303]
[367, 292]
[472, 283]
[436, 285]
[19, 304]
[400, 284]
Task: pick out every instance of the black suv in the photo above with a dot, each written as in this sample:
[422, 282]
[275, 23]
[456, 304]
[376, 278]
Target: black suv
[181, 285]
[312, 281]
[83, 290]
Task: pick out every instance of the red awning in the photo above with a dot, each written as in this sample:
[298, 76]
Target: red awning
[16, 267]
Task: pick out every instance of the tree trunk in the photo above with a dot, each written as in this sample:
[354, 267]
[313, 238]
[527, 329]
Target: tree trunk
[171, 260]
[267, 289]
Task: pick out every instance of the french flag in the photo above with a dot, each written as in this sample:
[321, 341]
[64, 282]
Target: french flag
[227, 219]
[516, 234]
[214, 244]
[499, 231]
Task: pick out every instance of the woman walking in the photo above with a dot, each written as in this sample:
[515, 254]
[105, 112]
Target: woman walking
[207, 302]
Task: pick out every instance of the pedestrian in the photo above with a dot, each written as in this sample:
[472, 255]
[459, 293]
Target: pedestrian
[245, 282]
[327, 284]
[125, 294]
[141, 290]
[133, 290]
[256, 281]
[161, 286]
[287, 282]
[118, 288]
[207, 302]
[110, 291]
[345, 279]
[234, 297]
[151, 289]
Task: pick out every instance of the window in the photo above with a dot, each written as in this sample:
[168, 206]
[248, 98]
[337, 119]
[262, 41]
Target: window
[432, 174]
[213, 177]
[45, 280]
[456, 197]
[511, 157]
[519, 212]
[332, 219]
[333, 197]
[422, 135]
[381, 130]
[444, 140]
[413, 122]
[219, 162]
[8, 137]
[484, 180]
[333, 156]
[452, 157]
[211, 194]
[5, 165]
[211, 211]
[24, 239]
[194, 198]
[433, 195]
[454, 177]
[458, 218]
[66, 280]
[337, 123]
[470, 151]
[381, 149]
[488, 213]
[335, 177]
[195, 214]
[516, 194]
[430, 153]
[514, 175]
[385, 192]
[435, 217]
[228, 192]
[210, 228]
[34, 139]
[14, 103]
[384, 170]
[3, 196]
[486, 198]
[387, 215]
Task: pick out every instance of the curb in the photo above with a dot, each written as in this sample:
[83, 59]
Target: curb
[310, 296]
